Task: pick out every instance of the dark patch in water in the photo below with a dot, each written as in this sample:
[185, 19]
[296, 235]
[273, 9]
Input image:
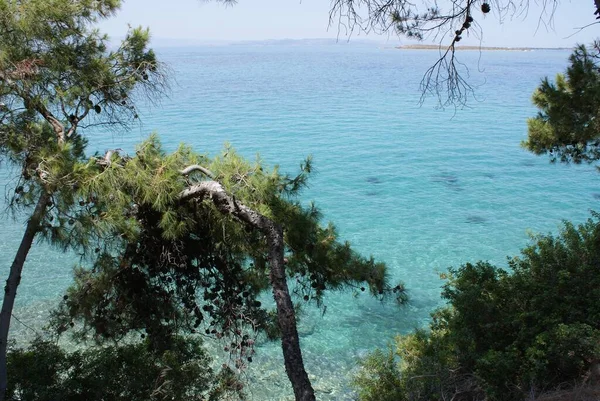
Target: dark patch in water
[449, 180]
[476, 219]
[372, 193]
[373, 180]
[596, 196]
[527, 163]
[489, 175]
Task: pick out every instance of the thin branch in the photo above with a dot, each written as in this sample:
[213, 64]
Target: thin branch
[26, 326]
[579, 29]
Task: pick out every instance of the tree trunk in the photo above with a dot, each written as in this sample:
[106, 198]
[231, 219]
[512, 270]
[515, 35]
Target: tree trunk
[290, 342]
[14, 278]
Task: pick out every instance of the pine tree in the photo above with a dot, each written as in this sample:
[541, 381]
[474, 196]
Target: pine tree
[567, 127]
[190, 243]
[56, 75]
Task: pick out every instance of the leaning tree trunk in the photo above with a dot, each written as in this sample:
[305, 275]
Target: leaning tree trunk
[14, 278]
[290, 342]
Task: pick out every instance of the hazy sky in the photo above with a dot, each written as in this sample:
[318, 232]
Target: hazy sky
[199, 20]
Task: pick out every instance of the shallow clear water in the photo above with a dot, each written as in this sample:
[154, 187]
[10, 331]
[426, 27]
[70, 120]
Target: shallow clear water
[419, 188]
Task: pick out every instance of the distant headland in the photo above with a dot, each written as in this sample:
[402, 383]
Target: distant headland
[486, 48]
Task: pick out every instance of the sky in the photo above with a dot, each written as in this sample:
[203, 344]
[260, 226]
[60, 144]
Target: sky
[184, 22]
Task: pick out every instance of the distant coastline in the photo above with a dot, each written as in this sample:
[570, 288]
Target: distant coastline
[486, 48]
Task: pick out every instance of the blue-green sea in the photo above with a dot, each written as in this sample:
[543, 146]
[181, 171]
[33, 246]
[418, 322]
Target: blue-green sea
[415, 186]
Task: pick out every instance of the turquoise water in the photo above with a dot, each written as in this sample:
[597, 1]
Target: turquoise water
[419, 188]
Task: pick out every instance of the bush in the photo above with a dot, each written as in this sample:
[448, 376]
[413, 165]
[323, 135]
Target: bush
[132, 372]
[505, 334]
[379, 378]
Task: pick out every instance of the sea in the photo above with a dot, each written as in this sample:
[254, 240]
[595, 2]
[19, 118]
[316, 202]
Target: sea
[419, 187]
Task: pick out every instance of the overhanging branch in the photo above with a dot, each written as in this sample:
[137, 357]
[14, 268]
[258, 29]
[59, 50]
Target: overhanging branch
[290, 341]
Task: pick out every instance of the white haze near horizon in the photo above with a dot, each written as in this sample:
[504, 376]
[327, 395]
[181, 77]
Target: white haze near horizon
[189, 22]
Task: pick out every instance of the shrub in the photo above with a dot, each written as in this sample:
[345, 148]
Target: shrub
[504, 333]
[46, 372]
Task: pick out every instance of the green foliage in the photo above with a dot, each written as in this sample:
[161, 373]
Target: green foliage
[57, 77]
[44, 372]
[566, 126]
[163, 265]
[504, 333]
[379, 378]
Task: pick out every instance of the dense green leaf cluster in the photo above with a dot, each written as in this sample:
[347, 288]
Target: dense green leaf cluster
[505, 333]
[567, 125]
[132, 372]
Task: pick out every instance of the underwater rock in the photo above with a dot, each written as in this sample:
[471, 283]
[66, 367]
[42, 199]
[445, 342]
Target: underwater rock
[449, 180]
[475, 219]
[306, 329]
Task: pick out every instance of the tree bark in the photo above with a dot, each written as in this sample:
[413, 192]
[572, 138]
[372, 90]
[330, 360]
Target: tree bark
[290, 342]
[14, 278]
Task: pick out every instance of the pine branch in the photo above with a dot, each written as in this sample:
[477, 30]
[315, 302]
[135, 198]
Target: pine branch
[195, 167]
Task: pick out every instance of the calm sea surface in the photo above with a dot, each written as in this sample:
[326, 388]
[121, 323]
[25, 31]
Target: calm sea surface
[419, 188]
